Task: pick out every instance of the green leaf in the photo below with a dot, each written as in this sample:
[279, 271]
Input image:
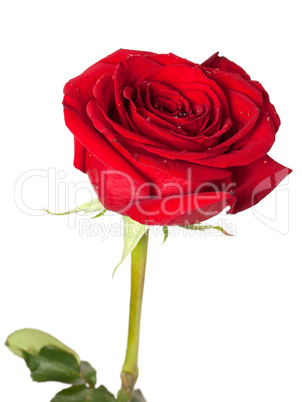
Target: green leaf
[32, 341]
[53, 364]
[205, 227]
[84, 394]
[138, 396]
[166, 233]
[49, 359]
[89, 206]
[88, 372]
[73, 394]
[133, 231]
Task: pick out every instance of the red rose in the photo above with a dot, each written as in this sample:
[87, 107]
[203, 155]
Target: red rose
[167, 141]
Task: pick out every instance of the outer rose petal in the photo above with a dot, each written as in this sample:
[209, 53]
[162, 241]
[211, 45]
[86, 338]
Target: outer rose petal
[255, 181]
[224, 64]
[111, 159]
[180, 210]
[121, 54]
[115, 188]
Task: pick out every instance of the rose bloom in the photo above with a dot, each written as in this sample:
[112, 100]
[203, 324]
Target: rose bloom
[169, 142]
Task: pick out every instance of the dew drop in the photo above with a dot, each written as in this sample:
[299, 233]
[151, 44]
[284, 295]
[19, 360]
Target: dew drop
[179, 127]
[248, 113]
[209, 148]
[95, 187]
[175, 117]
[184, 113]
[264, 163]
[225, 126]
[89, 155]
[208, 73]
[164, 161]
[268, 118]
[148, 119]
[184, 151]
[119, 104]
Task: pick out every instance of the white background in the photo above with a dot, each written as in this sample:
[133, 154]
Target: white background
[221, 315]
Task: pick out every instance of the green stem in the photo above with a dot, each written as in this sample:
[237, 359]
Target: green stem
[138, 265]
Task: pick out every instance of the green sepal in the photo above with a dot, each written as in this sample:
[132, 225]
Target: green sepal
[166, 233]
[100, 214]
[133, 231]
[83, 394]
[88, 207]
[205, 227]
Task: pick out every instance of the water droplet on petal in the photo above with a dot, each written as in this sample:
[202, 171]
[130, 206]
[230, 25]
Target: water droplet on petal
[184, 113]
[209, 148]
[264, 163]
[268, 118]
[89, 155]
[184, 151]
[225, 126]
[248, 113]
[164, 161]
[179, 127]
[119, 104]
[95, 187]
[148, 119]
[77, 89]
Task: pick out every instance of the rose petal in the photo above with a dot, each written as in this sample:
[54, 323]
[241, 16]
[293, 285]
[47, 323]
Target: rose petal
[225, 64]
[259, 143]
[96, 145]
[125, 75]
[231, 81]
[255, 181]
[121, 54]
[179, 210]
